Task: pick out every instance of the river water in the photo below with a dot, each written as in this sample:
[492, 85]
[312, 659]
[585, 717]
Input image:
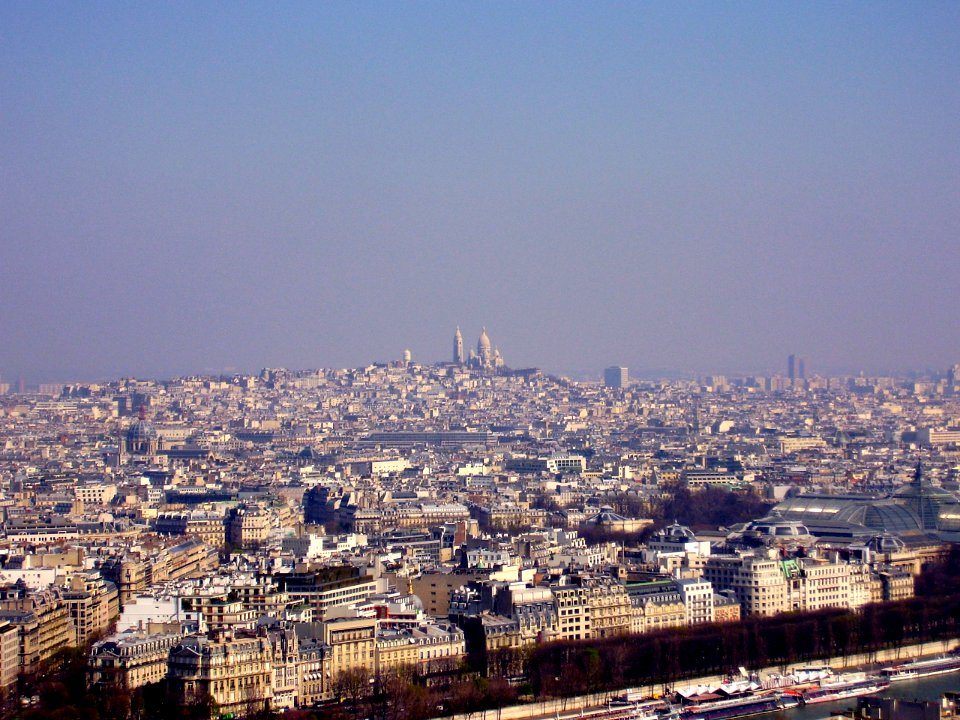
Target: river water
[930, 688]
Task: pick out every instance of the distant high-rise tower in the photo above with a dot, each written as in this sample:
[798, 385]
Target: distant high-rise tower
[802, 368]
[953, 377]
[458, 356]
[792, 367]
[615, 377]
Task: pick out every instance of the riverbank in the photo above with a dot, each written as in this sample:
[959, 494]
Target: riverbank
[928, 688]
[572, 707]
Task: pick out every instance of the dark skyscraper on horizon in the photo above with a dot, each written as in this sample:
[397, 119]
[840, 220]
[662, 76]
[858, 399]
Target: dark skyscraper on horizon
[796, 368]
[615, 377]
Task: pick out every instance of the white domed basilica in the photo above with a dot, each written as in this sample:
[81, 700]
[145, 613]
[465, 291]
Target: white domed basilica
[486, 357]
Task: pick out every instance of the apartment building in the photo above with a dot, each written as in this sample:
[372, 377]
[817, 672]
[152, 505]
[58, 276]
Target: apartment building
[94, 605]
[207, 527]
[312, 669]
[130, 660]
[9, 658]
[757, 581]
[814, 584]
[216, 609]
[96, 493]
[325, 587]
[42, 619]
[352, 644]
[247, 527]
[697, 596]
[233, 670]
[657, 604]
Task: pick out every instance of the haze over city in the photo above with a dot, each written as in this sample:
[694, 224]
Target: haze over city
[202, 187]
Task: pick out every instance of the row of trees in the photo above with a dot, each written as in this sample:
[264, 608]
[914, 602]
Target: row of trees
[710, 507]
[58, 691]
[663, 658]
[666, 657]
[568, 668]
[560, 669]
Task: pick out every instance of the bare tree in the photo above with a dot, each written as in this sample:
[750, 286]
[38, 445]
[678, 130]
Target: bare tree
[352, 686]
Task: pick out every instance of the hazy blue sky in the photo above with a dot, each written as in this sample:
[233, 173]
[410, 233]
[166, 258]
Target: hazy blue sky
[189, 187]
